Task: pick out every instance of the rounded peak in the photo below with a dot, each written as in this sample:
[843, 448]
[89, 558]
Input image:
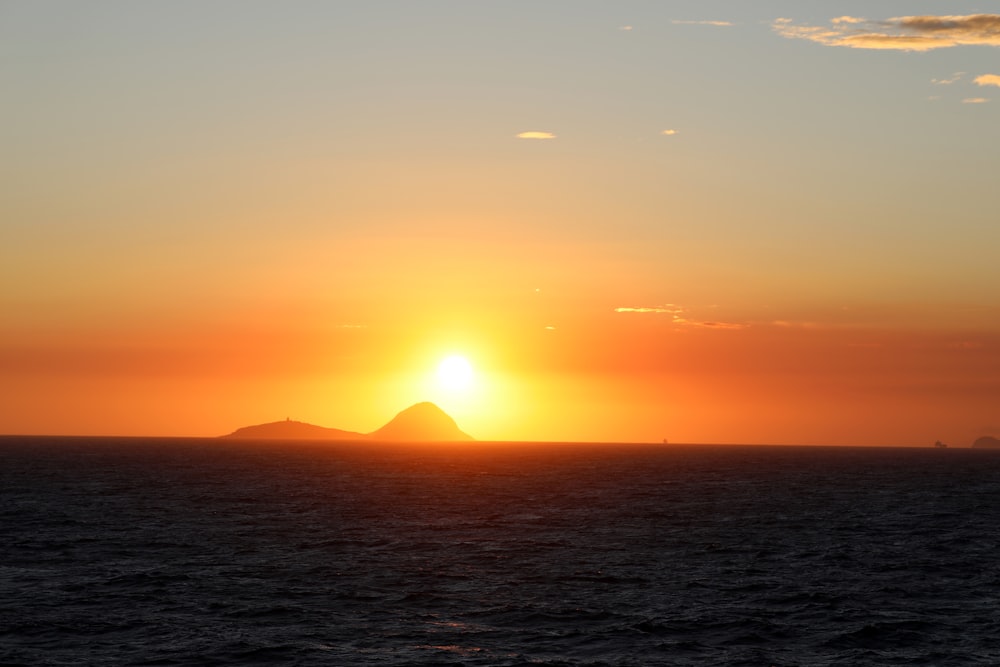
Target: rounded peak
[987, 442]
[424, 406]
[421, 421]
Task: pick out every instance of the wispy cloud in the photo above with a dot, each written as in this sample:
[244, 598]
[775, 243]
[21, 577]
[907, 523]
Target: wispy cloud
[678, 316]
[950, 80]
[719, 325]
[536, 135]
[669, 309]
[669, 133]
[724, 24]
[987, 80]
[903, 33]
[975, 100]
[626, 28]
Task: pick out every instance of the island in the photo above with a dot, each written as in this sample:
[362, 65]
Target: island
[986, 442]
[423, 422]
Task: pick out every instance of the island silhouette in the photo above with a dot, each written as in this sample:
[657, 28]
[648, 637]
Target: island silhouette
[423, 422]
[986, 442]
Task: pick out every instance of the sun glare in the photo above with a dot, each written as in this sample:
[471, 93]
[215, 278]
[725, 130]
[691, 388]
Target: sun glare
[455, 373]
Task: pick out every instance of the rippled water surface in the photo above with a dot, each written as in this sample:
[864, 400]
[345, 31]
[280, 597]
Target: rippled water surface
[176, 552]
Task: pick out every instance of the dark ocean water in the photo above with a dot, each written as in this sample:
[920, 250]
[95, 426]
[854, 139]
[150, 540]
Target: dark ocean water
[178, 552]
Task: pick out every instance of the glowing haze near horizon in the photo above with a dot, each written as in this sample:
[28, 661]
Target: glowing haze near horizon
[706, 221]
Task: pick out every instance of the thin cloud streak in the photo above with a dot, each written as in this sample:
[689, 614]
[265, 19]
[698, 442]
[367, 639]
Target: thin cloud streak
[950, 80]
[975, 100]
[719, 325]
[903, 33]
[536, 135]
[722, 24]
[987, 80]
[677, 316]
[669, 309]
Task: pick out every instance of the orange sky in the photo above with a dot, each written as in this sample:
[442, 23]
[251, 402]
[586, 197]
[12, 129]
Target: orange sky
[602, 375]
[637, 221]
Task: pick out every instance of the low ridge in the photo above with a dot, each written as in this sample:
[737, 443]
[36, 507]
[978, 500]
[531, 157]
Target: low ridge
[295, 430]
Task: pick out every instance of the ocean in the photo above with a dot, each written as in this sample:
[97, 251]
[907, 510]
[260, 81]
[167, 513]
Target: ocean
[128, 551]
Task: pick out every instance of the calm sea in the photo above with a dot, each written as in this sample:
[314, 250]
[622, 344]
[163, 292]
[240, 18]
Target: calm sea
[191, 552]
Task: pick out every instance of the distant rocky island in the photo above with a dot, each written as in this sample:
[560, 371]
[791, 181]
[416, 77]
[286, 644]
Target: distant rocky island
[293, 430]
[423, 422]
[986, 442]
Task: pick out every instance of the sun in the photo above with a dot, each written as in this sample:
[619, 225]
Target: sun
[455, 373]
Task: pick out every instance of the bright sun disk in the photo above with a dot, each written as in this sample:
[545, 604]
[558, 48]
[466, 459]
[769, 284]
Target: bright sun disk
[455, 373]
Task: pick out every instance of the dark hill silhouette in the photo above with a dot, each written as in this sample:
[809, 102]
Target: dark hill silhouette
[423, 422]
[420, 422]
[986, 442]
[293, 430]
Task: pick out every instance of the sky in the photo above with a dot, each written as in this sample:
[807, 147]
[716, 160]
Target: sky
[696, 220]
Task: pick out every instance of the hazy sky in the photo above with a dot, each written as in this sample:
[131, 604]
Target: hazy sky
[699, 220]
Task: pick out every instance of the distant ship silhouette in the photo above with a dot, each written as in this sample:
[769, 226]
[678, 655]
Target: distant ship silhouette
[423, 422]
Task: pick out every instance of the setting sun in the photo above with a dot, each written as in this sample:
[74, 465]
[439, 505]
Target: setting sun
[455, 373]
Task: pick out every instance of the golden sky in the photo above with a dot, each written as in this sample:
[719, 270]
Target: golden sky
[704, 221]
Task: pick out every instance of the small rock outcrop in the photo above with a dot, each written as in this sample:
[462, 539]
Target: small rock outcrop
[986, 442]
